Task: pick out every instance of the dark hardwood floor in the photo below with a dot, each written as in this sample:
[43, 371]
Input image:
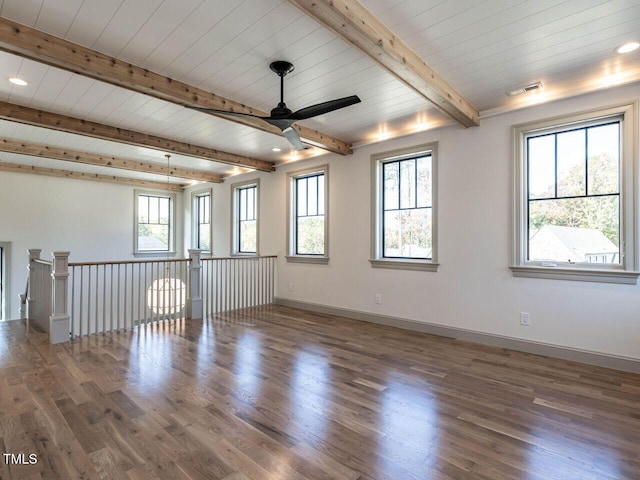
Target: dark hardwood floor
[278, 393]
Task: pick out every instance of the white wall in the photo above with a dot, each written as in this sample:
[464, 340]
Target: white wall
[220, 217]
[92, 220]
[474, 288]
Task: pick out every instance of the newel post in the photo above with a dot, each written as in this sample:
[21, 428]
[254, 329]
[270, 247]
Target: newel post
[60, 321]
[194, 299]
[34, 254]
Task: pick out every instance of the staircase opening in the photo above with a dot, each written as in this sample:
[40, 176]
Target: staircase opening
[5, 282]
[5, 251]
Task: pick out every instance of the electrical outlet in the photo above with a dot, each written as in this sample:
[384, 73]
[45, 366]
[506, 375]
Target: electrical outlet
[378, 298]
[525, 319]
[291, 287]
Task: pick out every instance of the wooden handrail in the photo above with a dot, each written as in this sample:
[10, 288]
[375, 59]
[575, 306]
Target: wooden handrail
[166, 260]
[127, 262]
[240, 257]
[42, 262]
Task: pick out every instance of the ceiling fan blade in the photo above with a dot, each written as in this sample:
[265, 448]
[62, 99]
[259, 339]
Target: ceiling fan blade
[325, 107]
[225, 112]
[293, 137]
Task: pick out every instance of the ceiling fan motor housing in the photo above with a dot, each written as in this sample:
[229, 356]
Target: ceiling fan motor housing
[282, 67]
[281, 111]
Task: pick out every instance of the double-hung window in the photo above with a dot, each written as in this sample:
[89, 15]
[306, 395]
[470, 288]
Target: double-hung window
[574, 213]
[154, 222]
[201, 202]
[308, 228]
[245, 218]
[405, 209]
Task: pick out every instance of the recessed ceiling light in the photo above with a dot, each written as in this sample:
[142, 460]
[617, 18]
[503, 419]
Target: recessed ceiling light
[276, 149]
[628, 47]
[18, 81]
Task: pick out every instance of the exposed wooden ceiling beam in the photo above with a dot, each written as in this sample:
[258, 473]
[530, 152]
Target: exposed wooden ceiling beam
[54, 172]
[354, 23]
[41, 118]
[57, 153]
[44, 48]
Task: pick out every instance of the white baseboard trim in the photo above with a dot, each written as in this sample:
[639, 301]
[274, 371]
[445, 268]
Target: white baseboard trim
[527, 346]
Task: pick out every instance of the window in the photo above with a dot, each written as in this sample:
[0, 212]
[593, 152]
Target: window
[574, 211]
[405, 209]
[202, 220]
[154, 223]
[308, 217]
[245, 218]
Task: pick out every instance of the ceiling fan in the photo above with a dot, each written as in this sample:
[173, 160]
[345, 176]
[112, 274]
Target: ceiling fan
[281, 116]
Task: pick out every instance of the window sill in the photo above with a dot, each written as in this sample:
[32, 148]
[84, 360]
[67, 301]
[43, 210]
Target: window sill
[421, 265]
[577, 274]
[318, 260]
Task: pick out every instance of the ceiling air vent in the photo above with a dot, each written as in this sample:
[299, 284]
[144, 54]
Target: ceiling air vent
[527, 88]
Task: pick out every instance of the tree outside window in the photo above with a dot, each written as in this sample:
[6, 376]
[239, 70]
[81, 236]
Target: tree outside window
[309, 237]
[407, 208]
[575, 192]
[404, 227]
[308, 227]
[247, 219]
[245, 198]
[202, 221]
[154, 225]
[574, 195]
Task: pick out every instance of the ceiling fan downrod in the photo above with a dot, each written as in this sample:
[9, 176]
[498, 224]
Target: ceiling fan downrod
[281, 68]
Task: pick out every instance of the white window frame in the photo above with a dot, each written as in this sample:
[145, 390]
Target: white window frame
[235, 219]
[195, 196]
[172, 222]
[377, 188]
[322, 259]
[626, 272]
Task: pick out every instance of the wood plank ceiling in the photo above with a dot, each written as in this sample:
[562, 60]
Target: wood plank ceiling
[119, 93]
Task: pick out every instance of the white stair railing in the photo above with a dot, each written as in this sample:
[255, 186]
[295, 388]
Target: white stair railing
[110, 296]
[237, 282]
[77, 299]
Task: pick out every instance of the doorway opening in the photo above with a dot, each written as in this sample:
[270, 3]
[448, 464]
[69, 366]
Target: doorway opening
[5, 255]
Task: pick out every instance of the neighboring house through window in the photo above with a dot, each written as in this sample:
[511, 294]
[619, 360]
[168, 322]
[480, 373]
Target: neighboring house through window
[308, 228]
[574, 207]
[405, 209]
[244, 221]
[154, 222]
